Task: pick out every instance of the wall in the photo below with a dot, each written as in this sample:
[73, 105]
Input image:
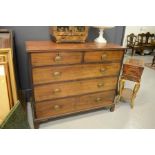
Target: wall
[136, 30]
[25, 33]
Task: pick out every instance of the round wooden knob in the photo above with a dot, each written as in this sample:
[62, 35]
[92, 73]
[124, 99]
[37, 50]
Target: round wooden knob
[57, 90]
[56, 107]
[57, 74]
[100, 85]
[98, 99]
[58, 58]
[102, 70]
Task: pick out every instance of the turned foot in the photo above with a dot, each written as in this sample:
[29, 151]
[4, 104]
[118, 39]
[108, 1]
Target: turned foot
[112, 108]
[36, 125]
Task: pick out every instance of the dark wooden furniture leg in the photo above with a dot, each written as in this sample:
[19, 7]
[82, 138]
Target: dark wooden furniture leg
[36, 125]
[133, 51]
[153, 61]
[112, 108]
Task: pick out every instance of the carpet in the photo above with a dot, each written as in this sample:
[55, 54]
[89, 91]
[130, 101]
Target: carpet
[149, 65]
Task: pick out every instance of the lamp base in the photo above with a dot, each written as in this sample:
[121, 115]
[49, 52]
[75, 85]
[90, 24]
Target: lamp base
[100, 38]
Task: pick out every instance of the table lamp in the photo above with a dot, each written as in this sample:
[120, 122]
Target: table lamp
[100, 38]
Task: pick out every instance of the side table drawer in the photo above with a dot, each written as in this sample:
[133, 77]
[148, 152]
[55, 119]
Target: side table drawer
[55, 58]
[103, 56]
[132, 73]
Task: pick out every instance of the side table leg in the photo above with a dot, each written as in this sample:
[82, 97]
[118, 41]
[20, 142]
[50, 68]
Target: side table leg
[121, 87]
[135, 90]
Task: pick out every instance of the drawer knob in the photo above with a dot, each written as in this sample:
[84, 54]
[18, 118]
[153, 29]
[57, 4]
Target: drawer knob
[57, 74]
[56, 107]
[102, 70]
[103, 56]
[100, 85]
[57, 90]
[58, 58]
[98, 99]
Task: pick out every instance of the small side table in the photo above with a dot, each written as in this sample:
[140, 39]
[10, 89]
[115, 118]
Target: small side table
[132, 71]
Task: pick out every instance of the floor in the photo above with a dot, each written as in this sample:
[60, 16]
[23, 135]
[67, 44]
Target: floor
[142, 116]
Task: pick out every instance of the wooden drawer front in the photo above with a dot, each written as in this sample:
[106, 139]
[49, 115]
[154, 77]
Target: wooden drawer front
[56, 58]
[52, 74]
[132, 73]
[95, 100]
[74, 104]
[103, 56]
[53, 91]
[53, 108]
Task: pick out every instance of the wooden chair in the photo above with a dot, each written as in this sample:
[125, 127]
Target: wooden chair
[132, 42]
[144, 42]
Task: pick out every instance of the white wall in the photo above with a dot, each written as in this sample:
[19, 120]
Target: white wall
[136, 30]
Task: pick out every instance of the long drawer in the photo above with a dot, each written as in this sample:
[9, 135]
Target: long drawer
[103, 56]
[74, 104]
[53, 91]
[55, 58]
[63, 73]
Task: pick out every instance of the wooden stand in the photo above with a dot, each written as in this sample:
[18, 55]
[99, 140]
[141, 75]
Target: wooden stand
[132, 71]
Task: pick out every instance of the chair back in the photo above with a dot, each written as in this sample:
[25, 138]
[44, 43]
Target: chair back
[131, 39]
[145, 38]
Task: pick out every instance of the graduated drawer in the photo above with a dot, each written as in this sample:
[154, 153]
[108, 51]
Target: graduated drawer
[103, 56]
[64, 73]
[59, 107]
[55, 58]
[53, 91]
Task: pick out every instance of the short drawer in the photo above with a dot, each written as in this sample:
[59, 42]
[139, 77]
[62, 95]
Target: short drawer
[55, 58]
[95, 100]
[54, 108]
[54, 91]
[60, 107]
[63, 73]
[103, 56]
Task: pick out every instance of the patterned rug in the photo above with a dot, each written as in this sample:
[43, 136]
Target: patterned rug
[150, 65]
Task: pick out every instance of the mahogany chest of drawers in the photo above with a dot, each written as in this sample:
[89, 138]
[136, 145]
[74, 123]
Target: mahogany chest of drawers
[71, 78]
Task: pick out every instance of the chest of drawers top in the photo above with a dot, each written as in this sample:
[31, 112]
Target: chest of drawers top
[40, 46]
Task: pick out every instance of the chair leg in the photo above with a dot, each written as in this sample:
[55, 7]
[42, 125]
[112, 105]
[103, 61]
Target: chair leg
[153, 61]
[142, 51]
[126, 51]
[121, 87]
[133, 52]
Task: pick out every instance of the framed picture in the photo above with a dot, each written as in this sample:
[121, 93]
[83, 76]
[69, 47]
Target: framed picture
[5, 91]
[7, 57]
